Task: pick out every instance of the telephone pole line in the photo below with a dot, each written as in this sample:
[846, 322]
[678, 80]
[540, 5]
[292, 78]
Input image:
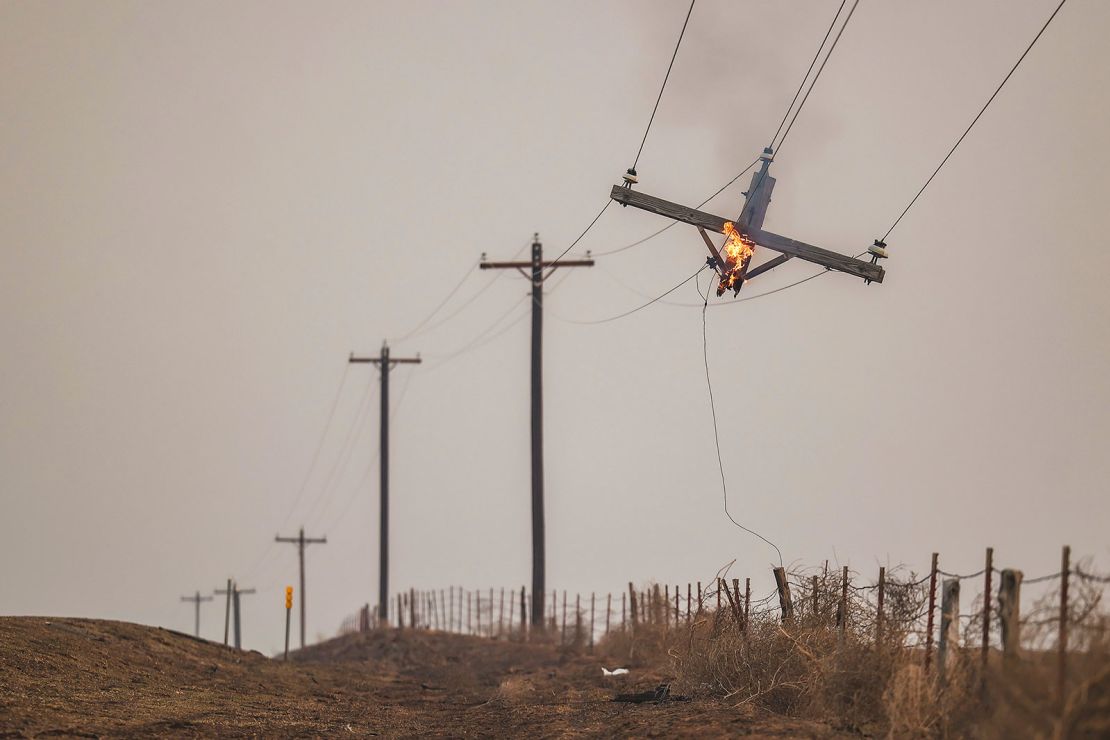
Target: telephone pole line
[537, 267]
[233, 595]
[196, 600]
[300, 541]
[385, 363]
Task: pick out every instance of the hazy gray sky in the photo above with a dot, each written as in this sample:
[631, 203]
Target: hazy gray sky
[205, 206]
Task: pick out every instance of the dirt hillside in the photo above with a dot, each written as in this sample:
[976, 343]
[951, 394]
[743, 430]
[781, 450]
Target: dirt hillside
[90, 678]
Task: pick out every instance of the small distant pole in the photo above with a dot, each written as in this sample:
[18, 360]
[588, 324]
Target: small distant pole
[197, 599]
[699, 598]
[478, 611]
[932, 608]
[624, 609]
[632, 605]
[719, 594]
[301, 541]
[667, 607]
[469, 616]
[501, 614]
[689, 601]
[412, 608]
[227, 613]
[288, 612]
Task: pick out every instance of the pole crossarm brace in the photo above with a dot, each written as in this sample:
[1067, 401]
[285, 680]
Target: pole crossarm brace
[787, 246]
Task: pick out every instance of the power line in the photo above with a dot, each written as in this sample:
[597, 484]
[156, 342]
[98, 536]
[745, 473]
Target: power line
[806, 76]
[458, 284]
[555, 261]
[976, 119]
[335, 474]
[672, 223]
[632, 170]
[716, 434]
[319, 446]
[640, 307]
[820, 69]
[664, 85]
[773, 138]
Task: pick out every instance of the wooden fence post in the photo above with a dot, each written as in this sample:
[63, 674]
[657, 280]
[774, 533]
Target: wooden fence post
[666, 607]
[631, 604]
[1062, 647]
[624, 611]
[842, 608]
[608, 611]
[1009, 612]
[949, 624]
[785, 603]
[501, 614]
[699, 598]
[932, 608]
[988, 570]
[592, 621]
[747, 603]
[577, 620]
[655, 598]
[689, 601]
[882, 596]
[523, 614]
[739, 608]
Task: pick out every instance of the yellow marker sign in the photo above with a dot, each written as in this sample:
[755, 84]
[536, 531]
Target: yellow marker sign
[288, 597]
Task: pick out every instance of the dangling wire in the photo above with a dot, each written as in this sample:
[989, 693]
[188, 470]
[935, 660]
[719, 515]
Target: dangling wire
[716, 435]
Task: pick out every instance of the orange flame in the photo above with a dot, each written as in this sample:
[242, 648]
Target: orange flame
[738, 249]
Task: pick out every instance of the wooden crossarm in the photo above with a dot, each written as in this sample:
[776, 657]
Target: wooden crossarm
[792, 247]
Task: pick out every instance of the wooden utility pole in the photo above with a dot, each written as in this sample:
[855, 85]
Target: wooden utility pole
[747, 233]
[233, 595]
[196, 601]
[300, 541]
[385, 363]
[537, 267]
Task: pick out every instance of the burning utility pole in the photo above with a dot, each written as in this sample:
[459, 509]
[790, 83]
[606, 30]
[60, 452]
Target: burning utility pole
[731, 262]
[385, 364]
[537, 266]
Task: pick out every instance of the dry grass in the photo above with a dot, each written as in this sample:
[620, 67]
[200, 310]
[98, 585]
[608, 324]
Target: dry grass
[830, 666]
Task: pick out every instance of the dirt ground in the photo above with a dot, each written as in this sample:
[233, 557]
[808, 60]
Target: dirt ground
[91, 678]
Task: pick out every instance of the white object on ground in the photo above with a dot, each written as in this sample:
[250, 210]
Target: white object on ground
[614, 672]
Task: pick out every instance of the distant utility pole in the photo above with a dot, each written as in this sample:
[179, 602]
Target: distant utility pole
[385, 363]
[196, 600]
[537, 266]
[300, 541]
[233, 595]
